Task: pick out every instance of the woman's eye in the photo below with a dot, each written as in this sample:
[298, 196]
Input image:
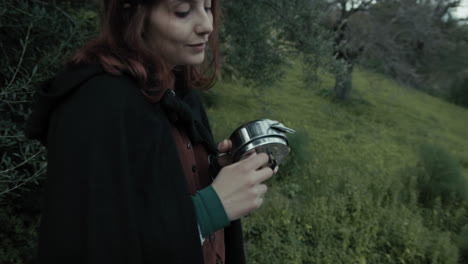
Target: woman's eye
[182, 14]
[208, 9]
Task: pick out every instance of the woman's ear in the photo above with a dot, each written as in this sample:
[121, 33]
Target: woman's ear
[126, 5]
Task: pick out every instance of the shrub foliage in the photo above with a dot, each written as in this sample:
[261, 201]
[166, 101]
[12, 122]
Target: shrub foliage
[36, 37]
[441, 177]
[324, 207]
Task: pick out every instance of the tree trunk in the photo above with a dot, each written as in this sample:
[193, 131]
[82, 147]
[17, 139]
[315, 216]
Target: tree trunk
[344, 82]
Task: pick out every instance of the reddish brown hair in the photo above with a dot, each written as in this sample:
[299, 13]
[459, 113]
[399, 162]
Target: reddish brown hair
[120, 48]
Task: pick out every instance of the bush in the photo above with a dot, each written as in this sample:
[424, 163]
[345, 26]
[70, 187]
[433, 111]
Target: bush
[36, 37]
[459, 92]
[440, 177]
[463, 244]
[251, 50]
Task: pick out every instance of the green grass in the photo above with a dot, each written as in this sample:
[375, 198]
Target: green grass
[348, 192]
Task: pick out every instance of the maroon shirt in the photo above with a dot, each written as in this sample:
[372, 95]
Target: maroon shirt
[199, 175]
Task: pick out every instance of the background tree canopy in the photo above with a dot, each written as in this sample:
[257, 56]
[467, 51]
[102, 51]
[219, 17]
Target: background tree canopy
[417, 43]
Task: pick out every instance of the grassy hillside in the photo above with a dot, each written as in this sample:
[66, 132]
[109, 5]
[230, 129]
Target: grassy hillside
[376, 180]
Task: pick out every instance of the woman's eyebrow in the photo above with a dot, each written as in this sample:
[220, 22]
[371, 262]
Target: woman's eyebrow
[177, 2]
[174, 2]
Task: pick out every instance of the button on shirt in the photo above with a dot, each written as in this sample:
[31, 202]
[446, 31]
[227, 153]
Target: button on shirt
[199, 175]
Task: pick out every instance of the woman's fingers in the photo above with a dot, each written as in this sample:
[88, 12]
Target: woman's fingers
[255, 161]
[258, 202]
[240, 186]
[224, 156]
[261, 190]
[225, 146]
[264, 174]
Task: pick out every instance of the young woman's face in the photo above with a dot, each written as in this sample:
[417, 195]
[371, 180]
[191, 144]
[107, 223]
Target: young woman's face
[179, 30]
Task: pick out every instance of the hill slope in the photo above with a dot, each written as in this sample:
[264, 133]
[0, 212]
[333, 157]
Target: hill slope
[350, 192]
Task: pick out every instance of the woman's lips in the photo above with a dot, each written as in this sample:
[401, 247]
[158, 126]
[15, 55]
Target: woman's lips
[198, 47]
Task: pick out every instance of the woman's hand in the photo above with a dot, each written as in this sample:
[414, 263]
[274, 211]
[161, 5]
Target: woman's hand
[224, 157]
[239, 185]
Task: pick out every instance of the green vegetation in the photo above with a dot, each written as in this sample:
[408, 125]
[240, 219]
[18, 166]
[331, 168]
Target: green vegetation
[379, 178]
[36, 37]
[351, 190]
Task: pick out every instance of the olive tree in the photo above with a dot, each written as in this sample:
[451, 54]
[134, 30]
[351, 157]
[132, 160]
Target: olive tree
[397, 37]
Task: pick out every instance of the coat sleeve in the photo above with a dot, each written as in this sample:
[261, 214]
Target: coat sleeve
[115, 190]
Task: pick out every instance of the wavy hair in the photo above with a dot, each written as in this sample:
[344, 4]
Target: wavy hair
[120, 48]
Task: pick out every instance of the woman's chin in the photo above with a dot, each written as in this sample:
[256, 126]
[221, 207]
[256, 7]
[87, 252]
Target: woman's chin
[196, 59]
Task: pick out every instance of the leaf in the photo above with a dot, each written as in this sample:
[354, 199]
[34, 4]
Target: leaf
[34, 70]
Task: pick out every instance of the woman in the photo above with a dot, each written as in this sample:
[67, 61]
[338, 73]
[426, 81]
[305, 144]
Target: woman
[129, 178]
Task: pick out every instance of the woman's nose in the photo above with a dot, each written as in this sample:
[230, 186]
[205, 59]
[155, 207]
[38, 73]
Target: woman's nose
[205, 24]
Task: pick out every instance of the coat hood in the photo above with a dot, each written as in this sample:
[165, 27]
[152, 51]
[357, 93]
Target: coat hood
[51, 94]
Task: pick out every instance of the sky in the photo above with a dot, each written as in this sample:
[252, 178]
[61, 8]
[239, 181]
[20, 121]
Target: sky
[462, 10]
